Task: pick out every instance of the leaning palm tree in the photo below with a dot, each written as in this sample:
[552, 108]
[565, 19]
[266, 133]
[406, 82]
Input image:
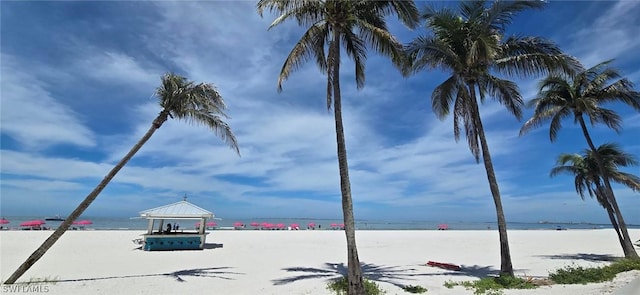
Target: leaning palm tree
[563, 96]
[470, 44]
[179, 98]
[333, 24]
[589, 179]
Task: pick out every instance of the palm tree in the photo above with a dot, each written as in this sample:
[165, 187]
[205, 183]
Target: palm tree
[562, 96]
[333, 24]
[470, 44]
[179, 98]
[588, 177]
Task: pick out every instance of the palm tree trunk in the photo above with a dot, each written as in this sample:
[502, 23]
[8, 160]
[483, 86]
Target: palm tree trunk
[506, 267]
[354, 272]
[604, 201]
[627, 245]
[48, 243]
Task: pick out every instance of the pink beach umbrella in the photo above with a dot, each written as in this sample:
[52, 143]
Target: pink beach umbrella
[295, 226]
[269, 226]
[334, 225]
[83, 222]
[238, 224]
[212, 224]
[255, 224]
[280, 226]
[4, 221]
[443, 226]
[312, 224]
[32, 223]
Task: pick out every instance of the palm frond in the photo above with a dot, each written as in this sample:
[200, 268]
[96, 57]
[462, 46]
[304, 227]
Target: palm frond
[501, 13]
[312, 42]
[608, 117]
[529, 56]
[214, 122]
[506, 92]
[406, 11]
[357, 50]
[430, 53]
[197, 104]
[443, 95]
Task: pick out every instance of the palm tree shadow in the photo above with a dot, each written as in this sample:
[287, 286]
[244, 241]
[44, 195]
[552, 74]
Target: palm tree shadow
[388, 274]
[582, 256]
[213, 246]
[212, 272]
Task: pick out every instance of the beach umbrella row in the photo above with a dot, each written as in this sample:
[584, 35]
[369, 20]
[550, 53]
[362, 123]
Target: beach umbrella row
[38, 222]
[33, 223]
[83, 222]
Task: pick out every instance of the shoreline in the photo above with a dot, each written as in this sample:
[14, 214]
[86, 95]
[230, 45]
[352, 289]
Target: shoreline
[302, 262]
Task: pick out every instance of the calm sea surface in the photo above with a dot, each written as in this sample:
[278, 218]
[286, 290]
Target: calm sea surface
[102, 223]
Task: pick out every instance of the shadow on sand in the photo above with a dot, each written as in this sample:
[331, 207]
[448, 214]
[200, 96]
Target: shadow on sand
[212, 272]
[582, 256]
[381, 273]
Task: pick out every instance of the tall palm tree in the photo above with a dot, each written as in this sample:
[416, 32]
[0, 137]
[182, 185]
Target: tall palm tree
[588, 177]
[562, 96]
[470, 44]
[179, 98]
[332, 25]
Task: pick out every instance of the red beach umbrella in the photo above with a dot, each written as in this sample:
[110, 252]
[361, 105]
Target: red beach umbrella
[32, 223]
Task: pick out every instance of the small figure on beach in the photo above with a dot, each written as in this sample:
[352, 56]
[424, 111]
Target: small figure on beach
[168, 230]
[176, 226]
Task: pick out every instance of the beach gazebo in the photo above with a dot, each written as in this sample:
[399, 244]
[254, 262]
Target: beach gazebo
[159, 238]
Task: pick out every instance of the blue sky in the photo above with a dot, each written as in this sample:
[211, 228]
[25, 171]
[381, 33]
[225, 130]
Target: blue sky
[77, 92]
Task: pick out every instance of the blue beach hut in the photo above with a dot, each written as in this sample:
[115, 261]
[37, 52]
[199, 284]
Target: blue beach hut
[160, 238]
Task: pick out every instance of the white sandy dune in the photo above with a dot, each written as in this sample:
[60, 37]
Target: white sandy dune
[301, 262]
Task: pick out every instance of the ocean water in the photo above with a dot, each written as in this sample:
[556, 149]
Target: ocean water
[105, 223]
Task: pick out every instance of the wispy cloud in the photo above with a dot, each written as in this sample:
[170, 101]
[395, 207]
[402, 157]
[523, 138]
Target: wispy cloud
[32, 116]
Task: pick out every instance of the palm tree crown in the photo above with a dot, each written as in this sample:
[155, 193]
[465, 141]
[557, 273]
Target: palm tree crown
[197, 104]
[356, 23]
[563, 96]
[587, 174]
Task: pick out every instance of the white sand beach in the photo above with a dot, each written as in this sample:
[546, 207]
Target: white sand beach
[301, 262]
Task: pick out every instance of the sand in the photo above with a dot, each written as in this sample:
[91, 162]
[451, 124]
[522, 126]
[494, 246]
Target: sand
[301, 262]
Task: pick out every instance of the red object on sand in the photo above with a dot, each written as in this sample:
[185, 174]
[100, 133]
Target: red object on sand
[443, 265]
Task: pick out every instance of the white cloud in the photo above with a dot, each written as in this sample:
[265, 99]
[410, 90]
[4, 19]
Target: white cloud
[612, 35]
[32, 116]
[117, 68]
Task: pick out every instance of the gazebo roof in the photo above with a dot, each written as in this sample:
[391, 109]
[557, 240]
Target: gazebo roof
[182, 209]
